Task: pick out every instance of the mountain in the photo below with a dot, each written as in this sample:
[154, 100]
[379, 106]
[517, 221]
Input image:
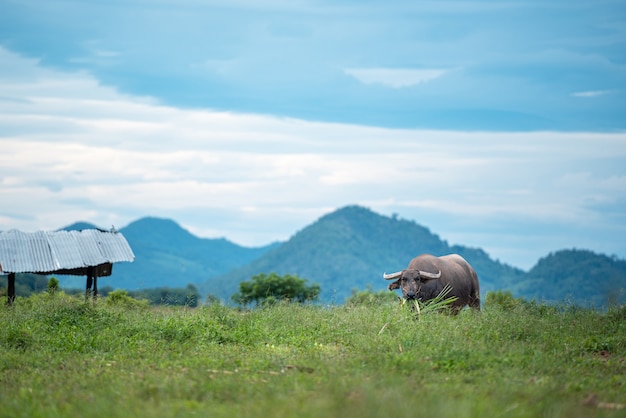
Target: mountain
[578, 276]
[168, 255]
[79, 226]
[347, 249]
[351, 248]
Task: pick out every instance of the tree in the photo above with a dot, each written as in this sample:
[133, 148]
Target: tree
[267, 289]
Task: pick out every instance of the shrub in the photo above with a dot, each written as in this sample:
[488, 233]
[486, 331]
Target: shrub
[503, 299]
[121, 297]
[53, 285]
[212, 300]
[369, 297]
[187, 296]
[268, 289]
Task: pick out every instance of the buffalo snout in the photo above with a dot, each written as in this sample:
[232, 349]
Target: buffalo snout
[410, 295]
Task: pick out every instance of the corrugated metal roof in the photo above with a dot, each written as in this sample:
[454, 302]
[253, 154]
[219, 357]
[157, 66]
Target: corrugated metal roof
[47, 251]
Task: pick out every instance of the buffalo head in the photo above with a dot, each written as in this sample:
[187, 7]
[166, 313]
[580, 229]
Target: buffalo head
[410, 281]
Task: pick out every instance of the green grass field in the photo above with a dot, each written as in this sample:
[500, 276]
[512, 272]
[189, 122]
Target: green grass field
[61, 356]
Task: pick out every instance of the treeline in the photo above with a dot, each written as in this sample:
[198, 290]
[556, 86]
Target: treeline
[181, 296]
[577, 276]
[27, 284]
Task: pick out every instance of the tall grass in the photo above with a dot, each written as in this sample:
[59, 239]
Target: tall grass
[63, 357]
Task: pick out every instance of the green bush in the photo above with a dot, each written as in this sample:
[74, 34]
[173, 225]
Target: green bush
[121, 297]
[53, 285]
[187, 296]
[267, 289]
[503, 299]
[369, 297]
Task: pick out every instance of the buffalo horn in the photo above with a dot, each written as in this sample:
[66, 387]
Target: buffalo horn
[392, 275]
[428, 275]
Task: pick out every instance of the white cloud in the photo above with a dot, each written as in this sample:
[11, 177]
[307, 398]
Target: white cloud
[74, 150]
[395, 77]
[591, 93]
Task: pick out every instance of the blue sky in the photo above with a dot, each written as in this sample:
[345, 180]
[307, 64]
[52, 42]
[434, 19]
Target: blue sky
[497, 124]
[486, 65]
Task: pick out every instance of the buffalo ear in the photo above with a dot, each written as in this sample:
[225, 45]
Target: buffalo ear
[394, 285]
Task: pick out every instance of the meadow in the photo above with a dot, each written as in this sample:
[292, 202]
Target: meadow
[61, 356]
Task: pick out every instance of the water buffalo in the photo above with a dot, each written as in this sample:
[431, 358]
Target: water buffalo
[427, 275]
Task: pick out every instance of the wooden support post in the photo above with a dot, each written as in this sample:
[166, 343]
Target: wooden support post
[11, 289]
[95, 288]
[89, 282]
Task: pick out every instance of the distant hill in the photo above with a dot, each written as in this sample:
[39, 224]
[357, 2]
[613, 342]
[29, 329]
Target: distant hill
[79, 226]
[347, 249]
[351, 248]
[578, 276]
[168, 255]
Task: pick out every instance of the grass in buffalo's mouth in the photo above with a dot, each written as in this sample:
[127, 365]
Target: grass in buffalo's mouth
[439, 303]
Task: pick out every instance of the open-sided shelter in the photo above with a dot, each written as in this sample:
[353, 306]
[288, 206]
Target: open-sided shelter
[90, 252]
